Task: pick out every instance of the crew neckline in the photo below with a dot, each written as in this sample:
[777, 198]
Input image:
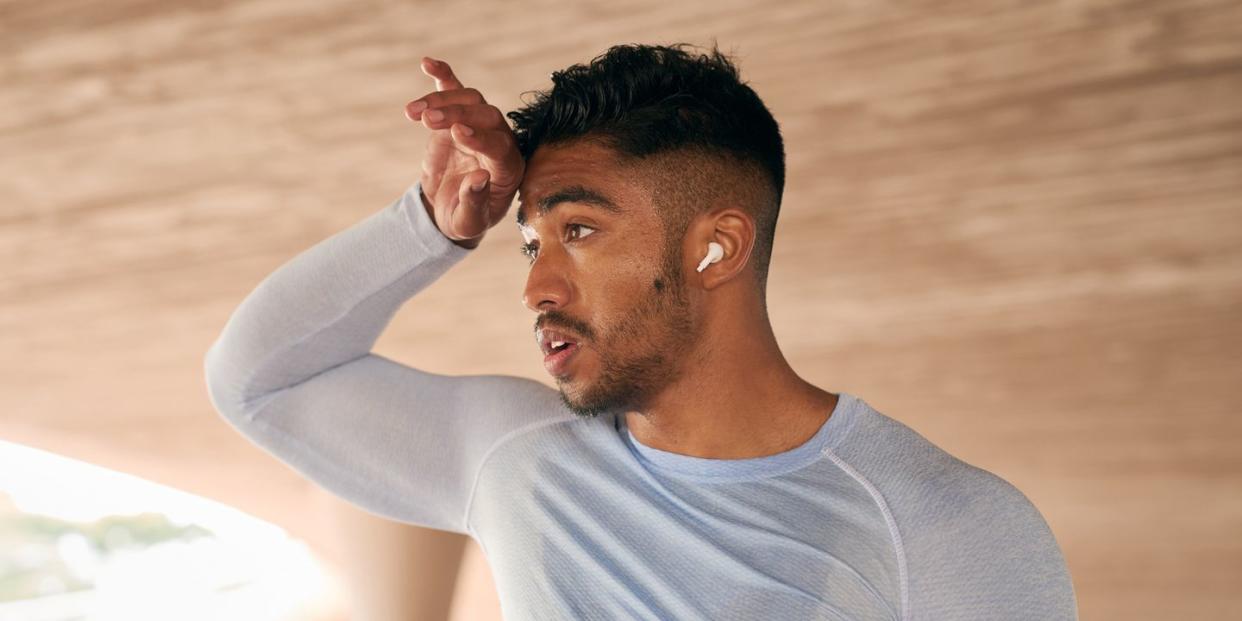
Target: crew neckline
[829, 435]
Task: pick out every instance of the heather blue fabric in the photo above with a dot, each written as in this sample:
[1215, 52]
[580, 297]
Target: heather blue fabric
[866, 520]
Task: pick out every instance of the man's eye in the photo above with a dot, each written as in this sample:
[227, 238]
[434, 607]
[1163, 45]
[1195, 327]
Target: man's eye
[581, 226]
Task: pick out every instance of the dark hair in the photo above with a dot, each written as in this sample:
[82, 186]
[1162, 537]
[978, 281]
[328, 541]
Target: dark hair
[647, 100]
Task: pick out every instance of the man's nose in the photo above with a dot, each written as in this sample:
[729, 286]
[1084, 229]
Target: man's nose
[547, 285]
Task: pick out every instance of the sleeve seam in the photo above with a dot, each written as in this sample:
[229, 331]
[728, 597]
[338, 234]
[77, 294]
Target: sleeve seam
[478, 475]
[902, 572]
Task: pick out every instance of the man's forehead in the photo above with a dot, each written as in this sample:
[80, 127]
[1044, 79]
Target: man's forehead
[594, 191]
[586, 172]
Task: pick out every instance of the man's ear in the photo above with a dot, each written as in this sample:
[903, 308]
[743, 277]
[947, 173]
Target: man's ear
[734, 230]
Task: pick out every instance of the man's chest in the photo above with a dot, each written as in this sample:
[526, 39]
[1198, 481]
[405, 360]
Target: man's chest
[567, 543]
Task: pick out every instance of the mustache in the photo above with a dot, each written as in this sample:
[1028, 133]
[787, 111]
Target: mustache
[558, 319]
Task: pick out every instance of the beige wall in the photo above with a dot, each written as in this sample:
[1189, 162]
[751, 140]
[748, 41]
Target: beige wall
[1017, 229]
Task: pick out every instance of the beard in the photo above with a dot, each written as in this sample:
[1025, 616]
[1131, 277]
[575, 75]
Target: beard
[662, 327]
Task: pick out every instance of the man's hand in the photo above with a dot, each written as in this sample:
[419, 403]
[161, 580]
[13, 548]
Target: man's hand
[472, 167]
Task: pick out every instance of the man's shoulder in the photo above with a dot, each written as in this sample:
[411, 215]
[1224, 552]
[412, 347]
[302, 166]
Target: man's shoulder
[520, 402]
[965, 531]
[908, 464]
[485, 411]
[936, 497]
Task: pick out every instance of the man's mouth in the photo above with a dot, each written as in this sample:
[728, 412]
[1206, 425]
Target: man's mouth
[558, 347]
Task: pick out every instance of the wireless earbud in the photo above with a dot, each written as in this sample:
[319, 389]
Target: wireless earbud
[714, 253]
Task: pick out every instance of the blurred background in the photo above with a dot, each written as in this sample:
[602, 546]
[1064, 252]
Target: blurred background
[1013, 226]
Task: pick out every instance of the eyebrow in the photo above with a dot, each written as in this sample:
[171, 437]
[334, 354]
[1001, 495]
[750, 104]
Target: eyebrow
[572, 194]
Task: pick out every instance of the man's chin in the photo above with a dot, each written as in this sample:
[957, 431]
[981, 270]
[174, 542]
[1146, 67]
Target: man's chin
[581, 408]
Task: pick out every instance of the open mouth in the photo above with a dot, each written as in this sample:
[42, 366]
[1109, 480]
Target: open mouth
[558, 348]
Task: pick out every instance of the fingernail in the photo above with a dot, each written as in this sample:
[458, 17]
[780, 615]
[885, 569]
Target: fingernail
[435, 115]
[465, 129]
[478, 187]
[417, 107]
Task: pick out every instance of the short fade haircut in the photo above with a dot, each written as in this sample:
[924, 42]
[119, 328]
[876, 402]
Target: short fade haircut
[701, 133]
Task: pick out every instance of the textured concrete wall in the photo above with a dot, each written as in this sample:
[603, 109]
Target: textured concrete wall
[1014, 226]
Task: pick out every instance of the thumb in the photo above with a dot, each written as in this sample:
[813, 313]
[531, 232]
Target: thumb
[470, 216]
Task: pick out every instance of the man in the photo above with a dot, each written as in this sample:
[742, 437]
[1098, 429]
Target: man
[682, 469]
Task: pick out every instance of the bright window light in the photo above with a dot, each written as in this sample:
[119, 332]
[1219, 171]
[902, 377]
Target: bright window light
[84, 543]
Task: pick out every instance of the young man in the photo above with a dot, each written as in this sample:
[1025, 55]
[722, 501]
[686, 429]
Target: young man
[682, 469]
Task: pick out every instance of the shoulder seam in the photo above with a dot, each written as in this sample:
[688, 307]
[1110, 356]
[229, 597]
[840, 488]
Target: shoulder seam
[478, 474]
[902, 575]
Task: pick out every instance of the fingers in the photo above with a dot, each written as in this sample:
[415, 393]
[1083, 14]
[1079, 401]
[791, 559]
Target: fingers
[461, 97]
[477, 116]
[495, 145]
[438, 69]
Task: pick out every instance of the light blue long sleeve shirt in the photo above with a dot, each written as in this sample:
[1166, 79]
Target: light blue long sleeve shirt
[578, 520]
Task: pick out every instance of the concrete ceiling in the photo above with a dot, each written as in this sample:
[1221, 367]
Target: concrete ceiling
[1017, 229]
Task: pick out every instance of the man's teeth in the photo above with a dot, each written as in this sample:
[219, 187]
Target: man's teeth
[557, 344]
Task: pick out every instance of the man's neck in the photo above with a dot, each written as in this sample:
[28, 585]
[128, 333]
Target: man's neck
[741, 401]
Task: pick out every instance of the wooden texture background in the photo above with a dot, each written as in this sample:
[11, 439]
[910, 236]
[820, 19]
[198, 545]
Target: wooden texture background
[1013, 226]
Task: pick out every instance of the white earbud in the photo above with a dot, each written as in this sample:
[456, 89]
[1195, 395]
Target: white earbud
[714, 253]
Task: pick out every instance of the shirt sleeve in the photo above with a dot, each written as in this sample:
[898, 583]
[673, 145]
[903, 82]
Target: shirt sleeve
[294, 373]
[970, 546]
[984, 551]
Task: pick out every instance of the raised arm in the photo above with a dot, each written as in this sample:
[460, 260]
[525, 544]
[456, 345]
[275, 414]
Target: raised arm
[293, 369]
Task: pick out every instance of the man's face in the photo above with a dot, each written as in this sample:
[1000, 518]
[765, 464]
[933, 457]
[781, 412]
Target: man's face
[602, 279]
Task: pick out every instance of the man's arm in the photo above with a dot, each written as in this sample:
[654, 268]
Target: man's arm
[984, 551]
[293, 372]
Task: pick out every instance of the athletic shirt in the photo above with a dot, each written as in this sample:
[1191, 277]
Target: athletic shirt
[578, 520]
